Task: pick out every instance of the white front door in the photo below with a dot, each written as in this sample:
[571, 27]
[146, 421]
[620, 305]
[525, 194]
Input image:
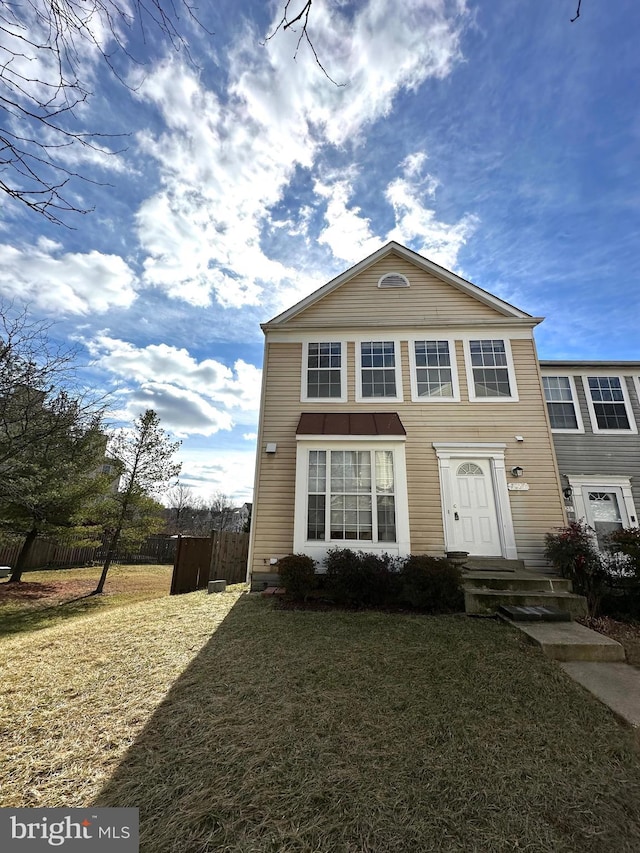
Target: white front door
[475, 524]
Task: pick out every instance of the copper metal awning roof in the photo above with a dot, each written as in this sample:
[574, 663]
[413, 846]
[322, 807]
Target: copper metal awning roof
[350, 423]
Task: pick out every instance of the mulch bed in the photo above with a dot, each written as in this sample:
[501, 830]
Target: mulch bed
[626, 633]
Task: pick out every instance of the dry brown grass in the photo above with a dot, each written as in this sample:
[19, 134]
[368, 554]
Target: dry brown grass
[75, 696]
[44, 598]
[250, 729]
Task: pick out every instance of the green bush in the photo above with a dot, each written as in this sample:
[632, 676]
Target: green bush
[431, 584]
[358, 579]
[574, 553]
[298, 575]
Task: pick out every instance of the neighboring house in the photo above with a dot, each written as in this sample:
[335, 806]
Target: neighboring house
[594, 412]
[402, 412]
[232, 519]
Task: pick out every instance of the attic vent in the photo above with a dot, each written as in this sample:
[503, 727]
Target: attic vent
[393, 279]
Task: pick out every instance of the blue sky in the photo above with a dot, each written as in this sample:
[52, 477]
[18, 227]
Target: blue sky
[498, 139]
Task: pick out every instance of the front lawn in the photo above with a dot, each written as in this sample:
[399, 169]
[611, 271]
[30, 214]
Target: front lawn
[254, 729]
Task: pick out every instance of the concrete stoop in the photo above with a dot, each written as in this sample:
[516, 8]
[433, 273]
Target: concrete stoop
[485, 591]
[493, 564]
[570, 641]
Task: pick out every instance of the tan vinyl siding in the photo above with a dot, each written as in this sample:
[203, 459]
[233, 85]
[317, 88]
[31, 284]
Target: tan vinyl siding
[273, 508]
[534, 512]
[428, 299]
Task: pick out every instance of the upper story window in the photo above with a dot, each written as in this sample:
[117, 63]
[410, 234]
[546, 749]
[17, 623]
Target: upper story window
[560, 394]
[324, 372]
[379, 371]
[609, 404]
[433, 371]
[393, 279]
[490, 372]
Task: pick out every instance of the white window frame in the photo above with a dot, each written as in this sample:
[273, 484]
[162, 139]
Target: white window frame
[304, 396]
[318, 549]
[575, 401]
[471, 385]
[622, 485]
[455, 384]
[397, 351]
[633, 429]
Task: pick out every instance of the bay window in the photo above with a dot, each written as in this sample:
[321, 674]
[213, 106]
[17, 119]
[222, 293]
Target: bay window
[351, 496]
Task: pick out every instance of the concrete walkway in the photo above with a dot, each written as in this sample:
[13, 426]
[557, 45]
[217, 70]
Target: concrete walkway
[615, 684]
[593, 660]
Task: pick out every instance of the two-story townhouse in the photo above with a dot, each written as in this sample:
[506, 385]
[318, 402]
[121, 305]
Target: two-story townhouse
[402, 412]
[594, 412]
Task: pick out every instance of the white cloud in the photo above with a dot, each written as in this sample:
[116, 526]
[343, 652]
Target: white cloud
[191, 397]
[210, 471]
[250, 436]
[348, 233]
[438, 241]
[225, 163]
[66, 282]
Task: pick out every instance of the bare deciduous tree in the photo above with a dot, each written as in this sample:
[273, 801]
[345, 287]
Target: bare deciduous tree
[49, 50]
[222, 511]
[49, 53]
[179, 500]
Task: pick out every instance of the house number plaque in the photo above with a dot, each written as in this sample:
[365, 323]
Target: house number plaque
[518, 487]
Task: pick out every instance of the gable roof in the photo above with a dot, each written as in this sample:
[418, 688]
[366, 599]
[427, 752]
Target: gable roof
[417, 260]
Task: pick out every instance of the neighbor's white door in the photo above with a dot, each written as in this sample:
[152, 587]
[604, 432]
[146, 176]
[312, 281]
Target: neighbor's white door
[605, 510]
[475, 524]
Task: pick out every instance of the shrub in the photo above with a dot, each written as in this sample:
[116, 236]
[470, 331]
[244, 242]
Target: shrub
[627, 543]
[623, 600]
[297, 575]
[431, 584]
[574, 553]
[357, 579]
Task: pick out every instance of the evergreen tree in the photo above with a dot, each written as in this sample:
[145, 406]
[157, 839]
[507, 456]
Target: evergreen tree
[57, 487]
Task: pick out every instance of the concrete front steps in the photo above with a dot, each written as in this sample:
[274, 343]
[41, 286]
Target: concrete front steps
[485, 591]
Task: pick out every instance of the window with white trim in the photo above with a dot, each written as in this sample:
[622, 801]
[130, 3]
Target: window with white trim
[351, 496]
[560, 396]
[490, 371]
[323, 371]
[379, 375]
[609, 405]
[433, 370]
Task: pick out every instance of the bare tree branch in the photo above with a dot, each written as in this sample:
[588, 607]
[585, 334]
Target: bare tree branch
[48, 50]
[303, 16]
[577, 15]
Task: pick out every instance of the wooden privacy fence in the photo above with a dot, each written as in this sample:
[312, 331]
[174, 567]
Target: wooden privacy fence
[47, 553]
[221, 556]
